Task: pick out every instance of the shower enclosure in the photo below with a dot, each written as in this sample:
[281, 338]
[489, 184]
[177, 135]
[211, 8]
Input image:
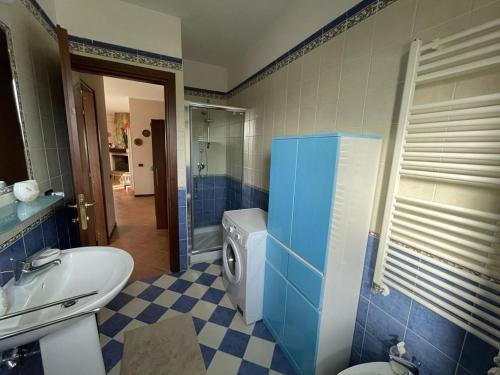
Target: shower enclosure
[214, 153]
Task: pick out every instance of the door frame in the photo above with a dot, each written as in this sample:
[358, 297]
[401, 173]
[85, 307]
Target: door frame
[92, 65]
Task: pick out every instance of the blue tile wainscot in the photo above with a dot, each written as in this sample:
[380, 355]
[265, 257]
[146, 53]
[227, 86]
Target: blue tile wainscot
[183, 256]
[215, 194]
[442, 347]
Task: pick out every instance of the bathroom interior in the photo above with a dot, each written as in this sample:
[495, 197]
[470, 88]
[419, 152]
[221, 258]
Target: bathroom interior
[326, 174]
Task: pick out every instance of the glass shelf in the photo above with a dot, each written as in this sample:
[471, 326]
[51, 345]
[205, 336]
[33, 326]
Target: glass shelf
[16, 214]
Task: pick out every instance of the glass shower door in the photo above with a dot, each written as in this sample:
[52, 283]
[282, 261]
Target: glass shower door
[216, 165]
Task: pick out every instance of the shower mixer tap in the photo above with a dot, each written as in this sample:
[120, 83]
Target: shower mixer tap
[201, 166]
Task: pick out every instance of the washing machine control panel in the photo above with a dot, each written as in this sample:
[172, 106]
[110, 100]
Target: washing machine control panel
[233, 231]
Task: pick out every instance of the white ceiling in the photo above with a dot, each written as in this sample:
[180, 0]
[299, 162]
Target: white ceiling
[216, 31]
[118, 91]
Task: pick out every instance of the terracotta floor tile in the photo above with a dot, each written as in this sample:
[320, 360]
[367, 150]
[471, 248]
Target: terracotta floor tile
[137, 234]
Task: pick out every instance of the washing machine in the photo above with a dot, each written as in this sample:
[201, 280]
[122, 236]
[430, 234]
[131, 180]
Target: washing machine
[243, 260]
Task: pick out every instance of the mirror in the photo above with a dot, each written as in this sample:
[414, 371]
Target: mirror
[13, 158]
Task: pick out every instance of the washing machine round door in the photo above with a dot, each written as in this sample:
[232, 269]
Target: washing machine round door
[231, 261]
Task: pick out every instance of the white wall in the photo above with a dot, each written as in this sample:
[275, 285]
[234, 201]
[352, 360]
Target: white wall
[118, 91]
[141, 114]
[205, 76]
[121, 23]
[300, 20]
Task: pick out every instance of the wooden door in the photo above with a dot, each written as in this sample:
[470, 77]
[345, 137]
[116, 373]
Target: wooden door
[158, 139]
[84, 151]
[88, 117]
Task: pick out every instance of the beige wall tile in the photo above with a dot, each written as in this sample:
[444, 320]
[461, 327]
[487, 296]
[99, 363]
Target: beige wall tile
[294, 75]
[482, 83]
[39, 163]
[473, 197]
[353, 84]
[310, 66]
[452, 25]
[292, 111]
[434, 92]
[482, 3]
[331, 53]
[484, 11]
[326, 114]
[358, 40]
[307, 120]
[394, 24]
[431, 13]
[410, 187]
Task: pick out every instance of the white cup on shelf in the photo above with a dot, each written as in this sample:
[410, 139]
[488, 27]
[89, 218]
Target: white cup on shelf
[26, 191]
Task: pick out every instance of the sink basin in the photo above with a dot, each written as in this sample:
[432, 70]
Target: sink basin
[83, 270]
[372, 368]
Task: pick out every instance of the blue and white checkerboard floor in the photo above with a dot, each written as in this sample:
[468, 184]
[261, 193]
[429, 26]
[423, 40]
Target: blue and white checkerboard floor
[227, 344]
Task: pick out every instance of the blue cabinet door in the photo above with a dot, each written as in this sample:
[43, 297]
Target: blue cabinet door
[300, 331]
[277, 256]
[274, 301]
[314, 184]
[283, 163]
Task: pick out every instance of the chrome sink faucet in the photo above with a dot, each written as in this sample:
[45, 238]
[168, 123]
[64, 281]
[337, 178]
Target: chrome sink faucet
[25, 268]
[397, 356]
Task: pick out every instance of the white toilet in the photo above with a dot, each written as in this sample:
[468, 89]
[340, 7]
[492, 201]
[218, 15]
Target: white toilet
[372, 368]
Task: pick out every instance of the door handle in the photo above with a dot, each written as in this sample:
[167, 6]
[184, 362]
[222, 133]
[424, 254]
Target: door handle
[82, 211]
[72, 205]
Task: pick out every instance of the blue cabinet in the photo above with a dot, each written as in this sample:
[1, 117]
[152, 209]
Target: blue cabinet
[274, 301]
[281, 194]
[320, 199]
[315, 173]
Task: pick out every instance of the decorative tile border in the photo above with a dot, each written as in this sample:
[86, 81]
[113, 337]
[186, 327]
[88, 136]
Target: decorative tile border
[37, 221]
[355, 15]
[37, 11]
[94, 47]
[211, 94]
[11, 240]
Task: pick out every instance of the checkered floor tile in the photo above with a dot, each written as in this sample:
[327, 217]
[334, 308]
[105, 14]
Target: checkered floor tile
[227, 344]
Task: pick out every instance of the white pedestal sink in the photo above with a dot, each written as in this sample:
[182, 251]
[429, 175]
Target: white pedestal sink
[372, 368]
[69, 339]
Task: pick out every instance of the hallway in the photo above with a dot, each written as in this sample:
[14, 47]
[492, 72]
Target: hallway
[136, 233]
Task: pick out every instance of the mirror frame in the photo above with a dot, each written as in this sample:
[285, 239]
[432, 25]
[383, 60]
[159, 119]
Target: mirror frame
[20, 114]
